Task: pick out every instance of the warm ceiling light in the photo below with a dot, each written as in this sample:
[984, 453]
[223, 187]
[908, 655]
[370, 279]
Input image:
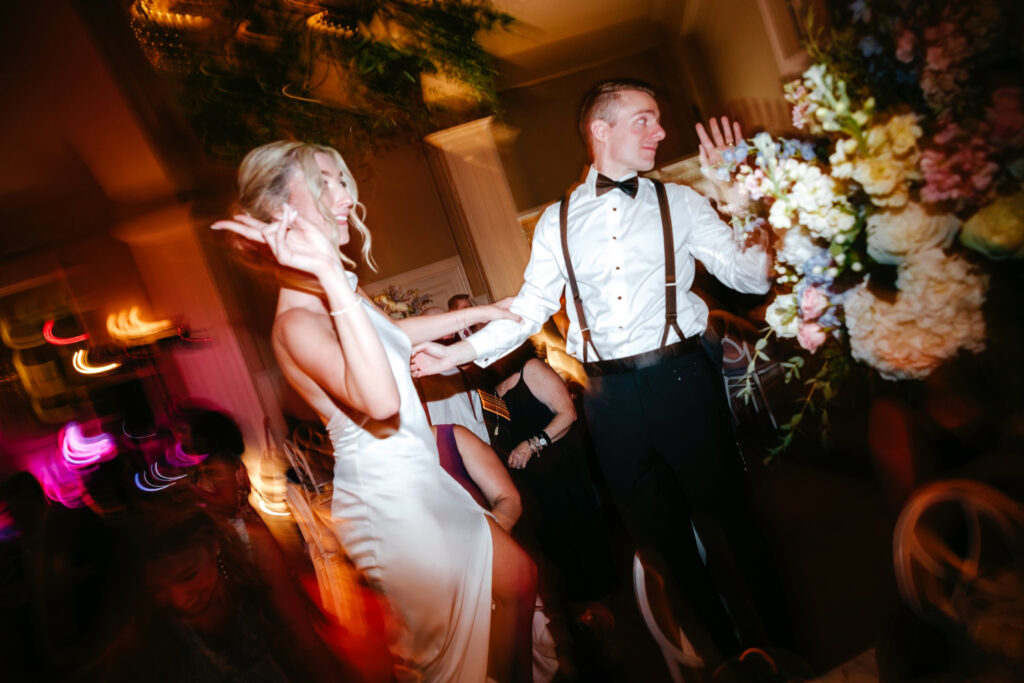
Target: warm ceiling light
[127, 327]
[80, 361]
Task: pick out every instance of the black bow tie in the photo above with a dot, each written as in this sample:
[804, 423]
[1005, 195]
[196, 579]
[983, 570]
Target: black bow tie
[629, 185]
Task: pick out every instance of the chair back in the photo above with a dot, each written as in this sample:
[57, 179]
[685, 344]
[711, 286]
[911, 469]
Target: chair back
[958, 551]
[653, 602]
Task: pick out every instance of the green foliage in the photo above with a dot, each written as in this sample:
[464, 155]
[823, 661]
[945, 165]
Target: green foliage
[262, 70]
[822, 388]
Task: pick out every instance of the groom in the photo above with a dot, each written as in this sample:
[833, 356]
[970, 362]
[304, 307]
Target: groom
[623, 248]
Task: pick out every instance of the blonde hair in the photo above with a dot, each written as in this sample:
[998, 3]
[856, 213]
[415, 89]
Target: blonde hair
[263, 178]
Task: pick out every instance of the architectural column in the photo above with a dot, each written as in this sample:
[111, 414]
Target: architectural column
[176, 275]
[482, 210]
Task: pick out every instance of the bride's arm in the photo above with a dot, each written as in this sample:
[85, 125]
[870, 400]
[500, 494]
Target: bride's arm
[348, 362]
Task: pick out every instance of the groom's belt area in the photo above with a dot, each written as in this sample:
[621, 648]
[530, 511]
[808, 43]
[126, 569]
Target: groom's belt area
[642, 360]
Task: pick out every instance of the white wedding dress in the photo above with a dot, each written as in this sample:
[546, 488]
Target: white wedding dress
[413, 531]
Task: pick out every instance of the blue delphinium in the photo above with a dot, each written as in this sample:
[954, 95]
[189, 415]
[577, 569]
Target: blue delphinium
[869, 46]
[860, 11]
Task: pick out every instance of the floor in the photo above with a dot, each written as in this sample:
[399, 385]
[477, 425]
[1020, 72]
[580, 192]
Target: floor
[832, 535]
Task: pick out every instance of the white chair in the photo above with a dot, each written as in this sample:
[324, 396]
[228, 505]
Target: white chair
[958, 551]
[676, 648]
[338, 581]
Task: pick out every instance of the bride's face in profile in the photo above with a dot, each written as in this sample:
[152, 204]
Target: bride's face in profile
[334, 197]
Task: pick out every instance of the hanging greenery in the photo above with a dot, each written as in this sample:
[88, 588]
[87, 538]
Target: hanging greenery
[338, 72]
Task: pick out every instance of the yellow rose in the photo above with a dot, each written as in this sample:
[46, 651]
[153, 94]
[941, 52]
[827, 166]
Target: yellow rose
[878, 175]
[997, 230]
[903, 133]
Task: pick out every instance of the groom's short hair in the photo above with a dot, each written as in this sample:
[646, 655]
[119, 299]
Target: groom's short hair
[599, 102]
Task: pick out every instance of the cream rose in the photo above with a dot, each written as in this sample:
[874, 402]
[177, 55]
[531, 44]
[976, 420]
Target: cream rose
[782, 316]
[894, 233]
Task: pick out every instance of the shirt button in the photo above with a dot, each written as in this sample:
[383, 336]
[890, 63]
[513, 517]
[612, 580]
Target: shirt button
[614, 208]
[620, 298]
[618, 267]
[614, 237]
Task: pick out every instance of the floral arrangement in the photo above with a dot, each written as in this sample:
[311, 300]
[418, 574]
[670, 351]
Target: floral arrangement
[912, 161]
[401, 303]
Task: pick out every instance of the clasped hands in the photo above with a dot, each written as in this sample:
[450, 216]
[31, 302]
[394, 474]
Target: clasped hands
[520, 455]
[431, 358]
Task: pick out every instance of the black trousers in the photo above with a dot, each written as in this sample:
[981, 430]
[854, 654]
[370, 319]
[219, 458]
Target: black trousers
[664, 440]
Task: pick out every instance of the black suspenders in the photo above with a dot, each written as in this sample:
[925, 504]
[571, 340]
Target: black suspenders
[670, 265]
[670, 270]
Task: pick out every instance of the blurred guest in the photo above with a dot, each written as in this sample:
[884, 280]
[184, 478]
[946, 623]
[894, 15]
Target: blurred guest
[460, 302]
[207, 613]
[536, 432]
[475, 465]
[451, 398]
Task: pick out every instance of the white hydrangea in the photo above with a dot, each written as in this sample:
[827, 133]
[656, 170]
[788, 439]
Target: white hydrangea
[796, 248]
[936, 312]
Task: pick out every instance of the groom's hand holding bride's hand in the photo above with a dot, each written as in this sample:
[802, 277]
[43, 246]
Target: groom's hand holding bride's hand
[431, 358]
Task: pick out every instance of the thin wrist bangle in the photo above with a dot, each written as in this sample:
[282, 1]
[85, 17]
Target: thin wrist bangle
[346, 309]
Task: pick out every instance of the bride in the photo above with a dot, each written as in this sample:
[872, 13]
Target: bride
[411, 529]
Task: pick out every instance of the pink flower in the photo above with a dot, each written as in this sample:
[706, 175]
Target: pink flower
[946, 134]
[812, 304]
[1006, 116]
[905, 45]
[935, 33]
[936, 58]
[810, 336]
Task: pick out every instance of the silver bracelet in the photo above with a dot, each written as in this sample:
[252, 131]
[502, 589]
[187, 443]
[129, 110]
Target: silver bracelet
[346, 309]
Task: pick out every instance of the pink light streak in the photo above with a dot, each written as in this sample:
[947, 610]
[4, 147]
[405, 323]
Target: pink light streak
[61, 484]
[177, 457]
[79, 450]
[49, 336]
[194, 340]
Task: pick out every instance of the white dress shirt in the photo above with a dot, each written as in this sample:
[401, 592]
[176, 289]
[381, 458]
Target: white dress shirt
[618, 254]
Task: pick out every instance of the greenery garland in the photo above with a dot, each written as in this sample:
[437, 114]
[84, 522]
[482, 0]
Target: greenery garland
[342, 73]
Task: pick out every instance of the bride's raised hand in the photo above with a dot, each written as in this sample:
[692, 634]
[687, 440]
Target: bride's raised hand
[292, 239]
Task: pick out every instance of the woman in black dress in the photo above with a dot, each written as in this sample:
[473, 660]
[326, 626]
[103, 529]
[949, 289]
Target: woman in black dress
[534, 428]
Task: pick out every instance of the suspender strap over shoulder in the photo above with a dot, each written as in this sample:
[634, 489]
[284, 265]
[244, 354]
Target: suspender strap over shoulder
[670, 270]
[563, 221]
[670, 264]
